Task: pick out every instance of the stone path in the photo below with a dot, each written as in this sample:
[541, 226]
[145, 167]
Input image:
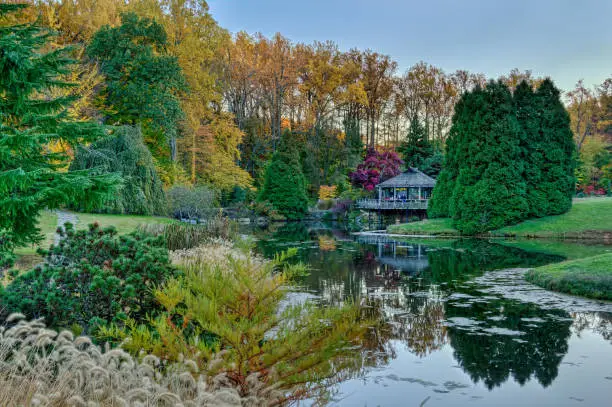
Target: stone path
[63, 217]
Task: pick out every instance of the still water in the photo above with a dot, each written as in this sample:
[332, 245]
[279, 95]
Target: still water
[463, 327]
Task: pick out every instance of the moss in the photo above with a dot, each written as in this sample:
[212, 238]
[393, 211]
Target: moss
[589, 277]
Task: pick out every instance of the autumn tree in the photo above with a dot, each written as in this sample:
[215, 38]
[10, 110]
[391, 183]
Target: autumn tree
[378, 86]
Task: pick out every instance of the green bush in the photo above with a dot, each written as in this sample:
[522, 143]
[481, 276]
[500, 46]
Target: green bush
[92, 277]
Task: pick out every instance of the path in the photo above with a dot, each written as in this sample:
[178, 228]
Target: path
[63, 217]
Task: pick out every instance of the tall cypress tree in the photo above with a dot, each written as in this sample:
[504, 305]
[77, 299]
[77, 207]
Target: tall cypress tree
[557, 147]
[439, 204]
[490, 191]
[31, 175]
[532, 146]
[548, 149]
[284, 183]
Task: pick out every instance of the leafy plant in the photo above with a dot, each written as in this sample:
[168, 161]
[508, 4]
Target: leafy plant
[377, 167]
[236, 307]
[92, 277]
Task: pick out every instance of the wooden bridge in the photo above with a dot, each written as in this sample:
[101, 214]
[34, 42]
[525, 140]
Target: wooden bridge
[376, 204]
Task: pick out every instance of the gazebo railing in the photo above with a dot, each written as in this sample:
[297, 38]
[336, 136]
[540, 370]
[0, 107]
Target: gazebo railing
[390, 204]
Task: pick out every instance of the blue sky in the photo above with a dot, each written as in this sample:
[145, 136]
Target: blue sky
[564, 39]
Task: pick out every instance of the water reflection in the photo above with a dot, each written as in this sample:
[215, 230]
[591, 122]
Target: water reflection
[436, 297]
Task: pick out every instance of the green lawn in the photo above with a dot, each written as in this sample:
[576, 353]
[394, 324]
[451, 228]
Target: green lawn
[589, 217]
[123, 223]
[27, 257]
[570, 249]
[434, 227]
[589, 277]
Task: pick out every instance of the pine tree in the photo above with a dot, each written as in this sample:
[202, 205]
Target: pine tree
[284, 183]
[31, 175]
[416, 149]
[142, 192]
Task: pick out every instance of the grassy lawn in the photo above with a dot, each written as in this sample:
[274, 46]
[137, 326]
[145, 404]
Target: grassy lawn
[571, 250]
[589, 277]
[27, 257]
[434, 227]
[123, 223]
[589, 217]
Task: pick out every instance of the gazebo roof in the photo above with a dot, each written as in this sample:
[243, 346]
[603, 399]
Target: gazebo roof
[409, 178]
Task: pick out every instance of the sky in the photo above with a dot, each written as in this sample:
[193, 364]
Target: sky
[566, 40]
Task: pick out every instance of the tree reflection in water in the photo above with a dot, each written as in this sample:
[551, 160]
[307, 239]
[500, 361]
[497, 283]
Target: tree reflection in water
[420, 291]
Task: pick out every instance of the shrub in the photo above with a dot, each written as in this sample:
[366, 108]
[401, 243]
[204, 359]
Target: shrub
[240, 302]
[192, 203]
[186, 236]
[40, 367]
[327, 192]
[92, 277]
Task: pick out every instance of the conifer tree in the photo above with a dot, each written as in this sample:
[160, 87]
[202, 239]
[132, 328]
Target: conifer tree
[490, 191]
[558, 182]
[416, 149]
[142, 191]
[439, 204]
[284, 183]
[31, 174]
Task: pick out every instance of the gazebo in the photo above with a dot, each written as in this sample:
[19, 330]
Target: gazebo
[408, 190]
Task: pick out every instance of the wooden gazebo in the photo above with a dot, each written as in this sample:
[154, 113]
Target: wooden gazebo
[409, 190]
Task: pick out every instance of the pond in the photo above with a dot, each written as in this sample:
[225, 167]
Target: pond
[463, 328]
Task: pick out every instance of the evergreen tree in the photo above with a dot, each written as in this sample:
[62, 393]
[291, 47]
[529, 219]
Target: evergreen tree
[439, 204]
[532, 147]
[142, 192]
[354, 145]
[558, 182]
[31, 174]
[416, 149]
[143, 83]
[490, 191]
[548, 149]
[284, 183]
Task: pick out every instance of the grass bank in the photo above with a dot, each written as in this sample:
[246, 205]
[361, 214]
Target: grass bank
[589, 218]
[589, 277]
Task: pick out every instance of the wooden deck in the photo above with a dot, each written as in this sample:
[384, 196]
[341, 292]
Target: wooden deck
[375, 204]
